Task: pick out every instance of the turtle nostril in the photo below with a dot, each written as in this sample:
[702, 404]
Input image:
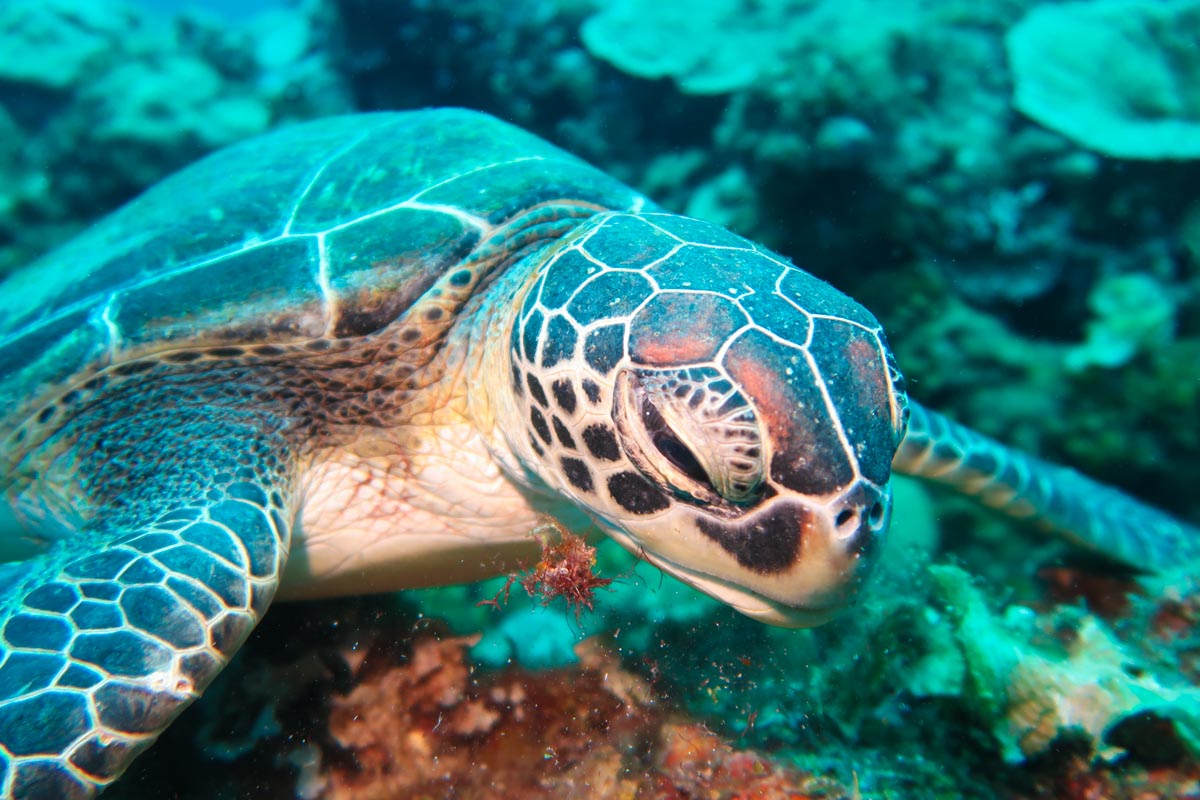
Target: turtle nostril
[846, 518]
[875, 515]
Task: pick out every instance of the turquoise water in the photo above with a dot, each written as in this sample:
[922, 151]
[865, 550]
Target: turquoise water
[1009, 187]
[229, 9]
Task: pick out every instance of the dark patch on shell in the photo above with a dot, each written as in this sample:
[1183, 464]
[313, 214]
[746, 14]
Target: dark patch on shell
[564, 435]
[591, 389]
[604, 348]
[134, 367]
[561, 338]
[535, 390]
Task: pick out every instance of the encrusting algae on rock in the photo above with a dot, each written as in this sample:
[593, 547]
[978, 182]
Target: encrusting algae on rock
[404, 713]
[427, 728]
[1039, 677]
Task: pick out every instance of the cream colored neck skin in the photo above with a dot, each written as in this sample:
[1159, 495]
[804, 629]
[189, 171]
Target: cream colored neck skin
[439, 499]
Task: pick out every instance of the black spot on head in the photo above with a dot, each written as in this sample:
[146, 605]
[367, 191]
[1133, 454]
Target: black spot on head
[765, 543]
[564, 435]
[635, 494]
[591, 390]
[45, 415]
[537, 448]
[518, 386]
[433, 314]
[535, 389]
[564, 395]
[604, 348]
[410, 335]
[602, 442]
[317, 345]
[182, 357]
[539, 424]
[269, 350]
[225, 352]
[578, 474]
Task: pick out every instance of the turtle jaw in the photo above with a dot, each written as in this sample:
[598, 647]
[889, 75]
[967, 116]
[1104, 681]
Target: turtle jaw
[750, 603]
[810, 594]
[804, 569]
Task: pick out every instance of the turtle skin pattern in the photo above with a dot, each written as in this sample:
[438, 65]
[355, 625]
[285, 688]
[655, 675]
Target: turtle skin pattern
[1054, 498]
[110, 635]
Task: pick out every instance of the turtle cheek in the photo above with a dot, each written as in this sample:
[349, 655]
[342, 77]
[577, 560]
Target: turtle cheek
[795, 553]
[787, 563]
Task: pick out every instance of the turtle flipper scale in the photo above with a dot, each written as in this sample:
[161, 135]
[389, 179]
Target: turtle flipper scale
[110, 634]
[1055, 498]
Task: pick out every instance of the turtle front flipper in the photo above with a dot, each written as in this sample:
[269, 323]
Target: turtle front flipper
[1049, 496]
[115, 629]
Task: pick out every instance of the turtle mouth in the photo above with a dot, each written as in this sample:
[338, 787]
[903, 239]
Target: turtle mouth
[740, 598]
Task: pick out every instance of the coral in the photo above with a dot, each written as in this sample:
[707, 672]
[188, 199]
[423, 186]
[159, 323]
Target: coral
[106, 101]
[723, 46]
[1134, 313]
[1118, 76]
[1065, 675]
[384, 713]
[425, 728]
[54, 44]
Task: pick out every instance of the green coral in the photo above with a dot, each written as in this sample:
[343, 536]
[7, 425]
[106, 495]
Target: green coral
[1119, 76]
[719, 47]
[54, 43]
[1036, 678]
[1133, 313]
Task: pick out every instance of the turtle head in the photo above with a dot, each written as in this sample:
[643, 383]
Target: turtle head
[721, 413]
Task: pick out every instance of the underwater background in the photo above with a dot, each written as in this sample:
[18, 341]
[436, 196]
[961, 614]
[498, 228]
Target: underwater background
[1012, 187]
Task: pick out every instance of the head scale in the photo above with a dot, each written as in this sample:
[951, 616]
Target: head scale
[716, 409]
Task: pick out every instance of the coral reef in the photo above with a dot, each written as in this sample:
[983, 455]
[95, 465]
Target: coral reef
[1028, 230]
[1124, 85]
[105, 100]
[397, 714]
[1038, 678]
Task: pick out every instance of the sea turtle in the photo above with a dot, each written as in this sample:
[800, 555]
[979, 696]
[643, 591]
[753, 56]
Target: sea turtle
[375, 351]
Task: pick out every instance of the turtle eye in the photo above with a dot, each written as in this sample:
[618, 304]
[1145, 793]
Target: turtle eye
[689, 432]
[671, 447]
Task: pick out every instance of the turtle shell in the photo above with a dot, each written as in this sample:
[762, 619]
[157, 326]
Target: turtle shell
[323, 229]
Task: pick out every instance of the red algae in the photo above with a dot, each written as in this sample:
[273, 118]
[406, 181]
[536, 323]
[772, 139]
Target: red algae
[428, 728]
[566, 570]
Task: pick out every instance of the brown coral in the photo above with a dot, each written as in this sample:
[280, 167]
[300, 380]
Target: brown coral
[428, 728]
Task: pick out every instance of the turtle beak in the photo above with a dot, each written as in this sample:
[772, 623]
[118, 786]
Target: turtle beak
[791, 563]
